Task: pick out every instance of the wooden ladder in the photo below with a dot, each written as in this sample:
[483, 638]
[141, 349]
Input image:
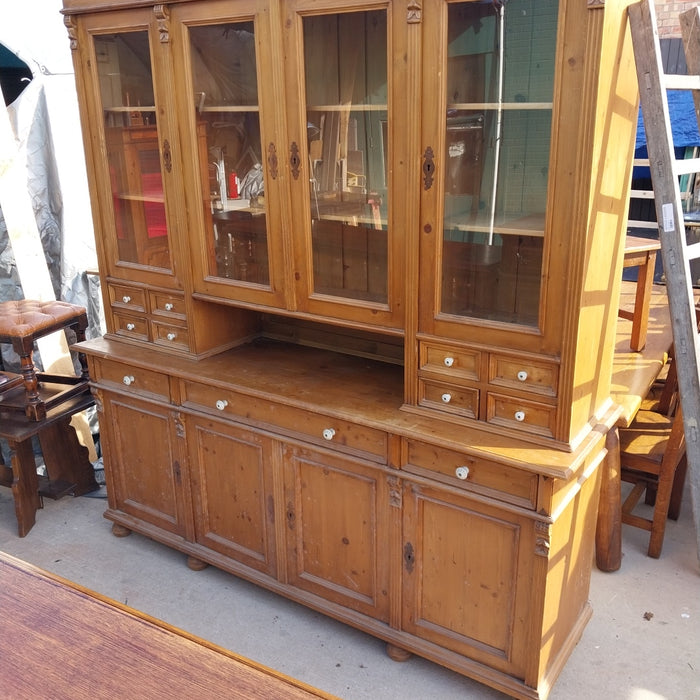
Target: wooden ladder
[665, 171]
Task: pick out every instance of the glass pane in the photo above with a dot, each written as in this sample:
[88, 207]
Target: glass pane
[500, 75]
[126, 89]
[228, 124]
[346, 102]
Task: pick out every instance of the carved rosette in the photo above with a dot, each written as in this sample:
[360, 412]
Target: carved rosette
[543, 538]
[69, 24]
[162, 14]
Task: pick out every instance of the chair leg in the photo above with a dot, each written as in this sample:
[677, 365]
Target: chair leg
[674, 509]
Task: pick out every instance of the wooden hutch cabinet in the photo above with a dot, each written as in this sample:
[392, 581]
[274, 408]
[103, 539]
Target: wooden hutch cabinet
[360, 263]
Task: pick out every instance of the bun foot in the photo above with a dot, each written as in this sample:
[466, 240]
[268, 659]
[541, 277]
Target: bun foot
[120, 531]
[196, 564]
[397, 653]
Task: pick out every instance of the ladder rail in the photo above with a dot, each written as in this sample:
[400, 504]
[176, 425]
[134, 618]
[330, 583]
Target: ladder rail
[672, 233]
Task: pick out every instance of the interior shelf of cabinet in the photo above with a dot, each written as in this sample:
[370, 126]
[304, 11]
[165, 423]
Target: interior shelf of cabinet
[148, 197]
[127, 108]
[482, 106]
[354, 107]
[229, 108]
[530, 225]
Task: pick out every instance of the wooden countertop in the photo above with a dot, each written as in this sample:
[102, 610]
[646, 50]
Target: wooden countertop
[62, 641]
[635, 372]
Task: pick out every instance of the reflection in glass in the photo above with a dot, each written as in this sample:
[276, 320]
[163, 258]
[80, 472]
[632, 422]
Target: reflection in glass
[126, 90]
[346, 102]
[224, 76]
[500, 74]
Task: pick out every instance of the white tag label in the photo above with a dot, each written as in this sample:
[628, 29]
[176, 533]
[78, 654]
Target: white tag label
[667, 215]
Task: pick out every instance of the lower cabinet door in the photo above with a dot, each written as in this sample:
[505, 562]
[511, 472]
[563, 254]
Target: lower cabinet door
[232, 488]
[146, 473]
[337, 513]
[467, 576]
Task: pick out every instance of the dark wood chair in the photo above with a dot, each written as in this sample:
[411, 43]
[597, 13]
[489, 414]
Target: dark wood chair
[653, 459]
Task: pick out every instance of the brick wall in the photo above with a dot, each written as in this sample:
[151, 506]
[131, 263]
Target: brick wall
[667, 12]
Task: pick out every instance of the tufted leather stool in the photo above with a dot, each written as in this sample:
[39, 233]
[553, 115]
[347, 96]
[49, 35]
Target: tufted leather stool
[21, 323]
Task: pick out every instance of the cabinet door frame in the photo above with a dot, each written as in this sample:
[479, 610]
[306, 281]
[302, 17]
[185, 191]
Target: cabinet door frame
[390, 315]
[115, 22]
[305, 572]
[510, 652]
[207, 519]
[179, 520]
[271, 112]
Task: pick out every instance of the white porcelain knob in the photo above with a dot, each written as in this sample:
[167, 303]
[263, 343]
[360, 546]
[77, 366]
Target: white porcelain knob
[169, 306]
[128, 380]
[171, 336]
[520, 416]
[462, 473]
[126, 299]
[130, 326]
[522, 375]
[446, 398]
[449, 361]
[221, 404]
[328, 434]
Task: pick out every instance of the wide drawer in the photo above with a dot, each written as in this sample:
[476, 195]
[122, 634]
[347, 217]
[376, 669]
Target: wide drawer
[477, 475]
[462, 401]
[451, 361]
[529, 416]
[332, 432]
[132, 379]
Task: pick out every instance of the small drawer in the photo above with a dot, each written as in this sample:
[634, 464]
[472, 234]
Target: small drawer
[125, 297]
[324, 430]
[132, 379]
[530, 416]
[463, 401]
[131, 326]
[525, 375]
[454, 362]
[478, 475]
[167, 304]
[170, 336]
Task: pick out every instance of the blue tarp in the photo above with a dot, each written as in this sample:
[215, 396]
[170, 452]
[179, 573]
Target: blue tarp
[683, 121]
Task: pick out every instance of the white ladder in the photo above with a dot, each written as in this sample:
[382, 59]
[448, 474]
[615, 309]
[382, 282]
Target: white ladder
[665, 171]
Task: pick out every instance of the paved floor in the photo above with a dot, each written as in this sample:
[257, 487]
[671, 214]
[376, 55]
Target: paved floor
[643, 642]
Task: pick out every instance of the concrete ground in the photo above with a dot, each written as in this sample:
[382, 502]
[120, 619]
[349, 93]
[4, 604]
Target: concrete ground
[643, 642]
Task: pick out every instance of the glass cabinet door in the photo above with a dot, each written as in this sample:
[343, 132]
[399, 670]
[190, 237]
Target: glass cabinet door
[493, 162]
[134, 160]
[230, 117]
[341, 162]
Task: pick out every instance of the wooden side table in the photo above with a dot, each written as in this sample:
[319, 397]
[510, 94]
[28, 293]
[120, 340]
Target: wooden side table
[641, 253]
[67, 461]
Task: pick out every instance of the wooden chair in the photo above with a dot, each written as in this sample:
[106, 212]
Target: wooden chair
[653, 459]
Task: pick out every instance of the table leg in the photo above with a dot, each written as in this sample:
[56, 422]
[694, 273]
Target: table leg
[645, 278]
[25, 485]
[608, 538]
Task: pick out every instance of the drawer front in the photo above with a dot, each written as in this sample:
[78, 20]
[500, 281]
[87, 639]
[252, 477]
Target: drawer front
[454, 362]
[170, 336]
[524, 375]
[131, 326]
[480, 476]
[125, 297]
[323, 430]
[132, 379]
[462, 401]
[529, 416]
[167, 304]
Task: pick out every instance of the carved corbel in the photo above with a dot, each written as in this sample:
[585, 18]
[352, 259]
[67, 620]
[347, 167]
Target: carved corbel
[162, 14]
[69, 24]
[543, 538]
[414, 14]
